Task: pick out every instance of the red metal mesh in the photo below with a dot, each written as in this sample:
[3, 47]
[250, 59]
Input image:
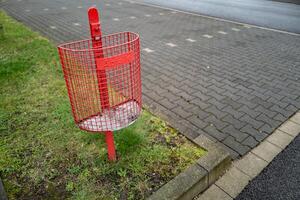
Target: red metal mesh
[107, 97]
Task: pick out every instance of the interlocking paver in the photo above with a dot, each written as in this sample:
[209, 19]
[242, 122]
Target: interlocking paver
[216, 122]
[234, 113]
[258, 135]
[211, 130]
[238, 147]
[253, 122]
[250, 142]
[248, 76]
[236, 123]
[197, 121]
[238, 135]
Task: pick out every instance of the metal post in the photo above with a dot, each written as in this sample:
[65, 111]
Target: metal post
[109, 138]
[101, 75]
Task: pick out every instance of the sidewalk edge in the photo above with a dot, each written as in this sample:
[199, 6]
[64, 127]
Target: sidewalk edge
[199, 176]
[2, 191]
[232, 183]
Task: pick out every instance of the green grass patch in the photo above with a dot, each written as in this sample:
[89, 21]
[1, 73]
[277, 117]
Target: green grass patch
[43, 155]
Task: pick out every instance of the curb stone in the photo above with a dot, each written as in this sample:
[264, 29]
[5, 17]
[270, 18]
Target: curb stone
[232, 183]
[197, 177]
[2, 192]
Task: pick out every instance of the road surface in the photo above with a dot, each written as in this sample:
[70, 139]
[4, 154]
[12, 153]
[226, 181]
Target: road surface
[280, 180]
[270, 14]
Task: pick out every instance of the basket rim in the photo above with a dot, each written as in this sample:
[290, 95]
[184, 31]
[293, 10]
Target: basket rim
[62, 46]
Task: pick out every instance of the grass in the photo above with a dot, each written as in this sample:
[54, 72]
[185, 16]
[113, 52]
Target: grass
[43, 155]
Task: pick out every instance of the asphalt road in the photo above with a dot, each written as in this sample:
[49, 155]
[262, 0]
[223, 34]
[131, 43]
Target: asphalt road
[280, 14]
[280, 180]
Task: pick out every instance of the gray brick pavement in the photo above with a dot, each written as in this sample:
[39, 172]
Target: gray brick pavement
[236, 87]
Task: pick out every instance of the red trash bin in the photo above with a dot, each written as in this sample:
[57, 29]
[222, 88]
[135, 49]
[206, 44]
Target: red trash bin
[103, 78]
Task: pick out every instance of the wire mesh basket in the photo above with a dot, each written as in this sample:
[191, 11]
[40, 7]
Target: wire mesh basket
[103, 81]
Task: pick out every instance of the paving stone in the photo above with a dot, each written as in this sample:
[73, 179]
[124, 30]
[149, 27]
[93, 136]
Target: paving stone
[261, 102]
[179, 111]
[200, 103]
[255, 123]
[198, 112]
[216, 89]
[249, 111]
[279, 103]
[280, 139]
[245, 101]
[279, 117]
[238, 135]
[266, 128]
[233, 112]
[290, 128]
[154, 95]
[218, 104]
[251, 164]
[233, 182]
[212, 120]
[266, 151]
[215, 95]
[265, 111]
[212, 131]
[188, 89]
[235, 122]
[186, 96]
[282, 111]
[232, 143]
[184, 104]
[203, 97]
[197, 121]
[259, 136]
[170, 96]
[214, 193]
[173, 89]
[166, 103]
[294, 105]
[296, 118]
[250, 142]
[267, 120]
[233, 153]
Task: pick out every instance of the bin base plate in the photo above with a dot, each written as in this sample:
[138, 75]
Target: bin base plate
[113, 119]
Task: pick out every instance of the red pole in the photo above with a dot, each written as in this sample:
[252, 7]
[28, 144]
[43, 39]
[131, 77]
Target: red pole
[109, 137]
[101, 75]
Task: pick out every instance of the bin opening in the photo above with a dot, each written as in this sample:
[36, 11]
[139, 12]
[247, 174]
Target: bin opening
[103, 82]
[107, 42]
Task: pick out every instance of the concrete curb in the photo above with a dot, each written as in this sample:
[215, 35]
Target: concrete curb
[2, 192]
[199, 176]
[247, 168]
